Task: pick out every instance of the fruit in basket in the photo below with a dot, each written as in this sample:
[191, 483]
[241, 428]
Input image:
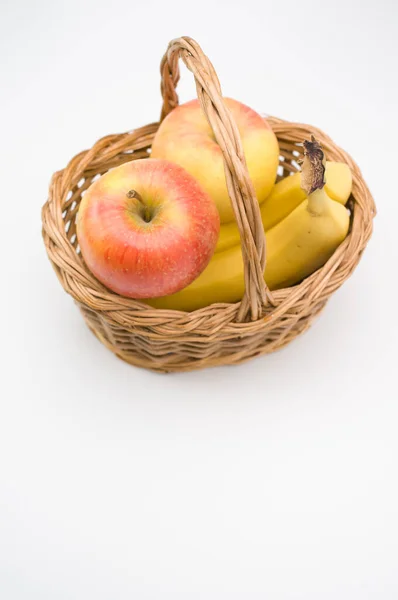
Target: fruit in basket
[286, 195]
[338, 184]
[308, 236]
[186, 138]
[147, 228]
[296, 246]
[221, 281]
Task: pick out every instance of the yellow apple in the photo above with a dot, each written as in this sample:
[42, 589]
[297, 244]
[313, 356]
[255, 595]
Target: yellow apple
[185, 138]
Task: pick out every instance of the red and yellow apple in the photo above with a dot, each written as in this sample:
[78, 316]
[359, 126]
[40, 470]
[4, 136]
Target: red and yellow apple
[186, 138]
[147, 228]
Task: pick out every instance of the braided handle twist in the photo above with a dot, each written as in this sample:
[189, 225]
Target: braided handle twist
[239, 185]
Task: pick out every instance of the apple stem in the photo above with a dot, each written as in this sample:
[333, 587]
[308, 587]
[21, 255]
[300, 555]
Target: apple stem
[146, 214]
[134, 194]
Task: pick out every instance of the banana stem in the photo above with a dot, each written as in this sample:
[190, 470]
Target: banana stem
[317, 202]
[313, 176]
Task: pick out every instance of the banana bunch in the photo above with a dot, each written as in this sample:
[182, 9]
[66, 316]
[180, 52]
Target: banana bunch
[286, 195]
[305, 220]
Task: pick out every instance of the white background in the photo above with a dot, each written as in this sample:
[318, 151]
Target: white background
[274, 480]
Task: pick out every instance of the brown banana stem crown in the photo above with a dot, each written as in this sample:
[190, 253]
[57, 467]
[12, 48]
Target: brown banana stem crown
[313, 166]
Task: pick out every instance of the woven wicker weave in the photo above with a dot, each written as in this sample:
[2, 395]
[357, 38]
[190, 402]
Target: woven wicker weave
[166, 340]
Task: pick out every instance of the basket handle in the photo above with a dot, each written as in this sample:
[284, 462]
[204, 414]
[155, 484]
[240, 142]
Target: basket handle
[240, 188]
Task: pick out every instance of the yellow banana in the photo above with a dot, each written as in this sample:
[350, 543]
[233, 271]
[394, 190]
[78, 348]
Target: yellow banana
[221, 281]
[338, 181]
[296, 246]
[286, 195]
[305, 240]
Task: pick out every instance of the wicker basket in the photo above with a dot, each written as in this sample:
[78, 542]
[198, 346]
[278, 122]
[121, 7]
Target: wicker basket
[167, 340]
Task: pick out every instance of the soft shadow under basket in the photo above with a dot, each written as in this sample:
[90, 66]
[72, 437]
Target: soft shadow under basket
[220, 334]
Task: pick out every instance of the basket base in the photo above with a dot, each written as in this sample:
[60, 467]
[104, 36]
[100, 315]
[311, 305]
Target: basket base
[181, 360]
